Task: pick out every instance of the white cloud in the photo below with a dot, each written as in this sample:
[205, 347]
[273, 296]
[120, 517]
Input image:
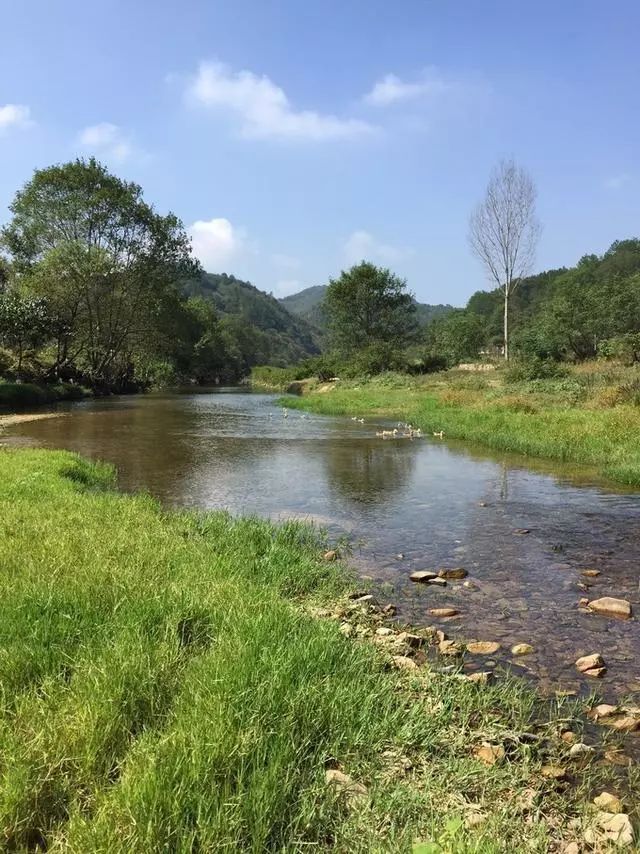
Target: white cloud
[362, 246]
[285, 287]
[263, 108]
[391, 89]
[14, 116]
[108, 140]
[216, 242]
[285, 262]
[617, 182]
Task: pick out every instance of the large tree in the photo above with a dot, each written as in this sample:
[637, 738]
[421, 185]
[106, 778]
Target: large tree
[504, 231]
[369, 306]
[102, 258]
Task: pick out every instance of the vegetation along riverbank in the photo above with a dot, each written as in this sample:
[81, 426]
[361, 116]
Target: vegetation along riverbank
[194, 681]
[587, 414]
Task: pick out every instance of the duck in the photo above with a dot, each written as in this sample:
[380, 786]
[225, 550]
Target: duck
[390, 434]
[439, 435]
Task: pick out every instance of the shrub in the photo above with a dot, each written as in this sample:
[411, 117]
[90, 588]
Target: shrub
[535, 369]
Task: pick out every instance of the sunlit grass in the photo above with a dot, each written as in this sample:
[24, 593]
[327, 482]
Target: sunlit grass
[162, 689]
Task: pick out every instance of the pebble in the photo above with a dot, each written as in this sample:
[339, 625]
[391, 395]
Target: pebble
[591, 573]
[490, 754]
[608, 802]
[453, 574]
[449, 647]
[423, 576]
[592, 665]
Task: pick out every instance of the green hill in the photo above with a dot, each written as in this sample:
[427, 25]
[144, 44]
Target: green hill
[278, 337]
[307, 305]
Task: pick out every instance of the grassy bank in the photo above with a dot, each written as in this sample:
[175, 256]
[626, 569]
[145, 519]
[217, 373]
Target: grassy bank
[14, 396]
[591, 416]
[164, 686]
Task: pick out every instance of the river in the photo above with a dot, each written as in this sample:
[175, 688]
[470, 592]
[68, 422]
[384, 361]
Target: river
[402, 505]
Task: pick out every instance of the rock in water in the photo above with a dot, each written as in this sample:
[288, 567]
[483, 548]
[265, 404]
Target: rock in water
[449, 647]
[453, 574]
[522, 649]
[591, 665]
[610, 607]
[422, 576]
[444, 612]
[483, 647]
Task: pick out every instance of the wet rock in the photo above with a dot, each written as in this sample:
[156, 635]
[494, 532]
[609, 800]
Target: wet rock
[580, 749]
[440, 635]
[470, 585]
[490, 754]
[520, 532]
[403, 662]
[449, 647]
[384, 632]
[610, 827]
[423, 576]
[389, 610]
[522, 649]
[592, 665]
[457, 573]
[483, 647]
[608, 803]
[438, 582]
[610, 607]
[332, 554]
[367, 599]
[583, 602]
[344, 784]
[591, 573]
[444, 612]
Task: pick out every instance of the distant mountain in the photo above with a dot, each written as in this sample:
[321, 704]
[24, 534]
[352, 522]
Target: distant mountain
[307, 305]
[281, 337]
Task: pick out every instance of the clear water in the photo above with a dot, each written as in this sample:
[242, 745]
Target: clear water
[405, 505]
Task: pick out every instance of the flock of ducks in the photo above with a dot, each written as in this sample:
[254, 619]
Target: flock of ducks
[402, 431]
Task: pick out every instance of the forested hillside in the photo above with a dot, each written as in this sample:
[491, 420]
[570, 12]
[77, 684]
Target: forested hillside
[278, 337]
[307, 304]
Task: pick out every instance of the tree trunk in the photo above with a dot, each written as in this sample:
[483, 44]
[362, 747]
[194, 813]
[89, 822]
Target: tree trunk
[506, 324]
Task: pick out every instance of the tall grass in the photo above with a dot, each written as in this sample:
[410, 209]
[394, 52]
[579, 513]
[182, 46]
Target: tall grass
[161, 689]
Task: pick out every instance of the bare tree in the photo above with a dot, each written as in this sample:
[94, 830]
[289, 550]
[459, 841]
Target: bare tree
[504, 231]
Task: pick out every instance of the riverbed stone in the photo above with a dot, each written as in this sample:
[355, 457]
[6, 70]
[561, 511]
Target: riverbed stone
[444, 612]
[384, 632]
[608, 606]
[608, 802]
[604, 710]
[622, 723]
[482, 677]
[588, 664]
[483, 647]
[580, 749]
[330, 555]
[522, 649]
[591, 573]
[414, 641]
[488, 753]
[454, 574]
[554, 772]
[423, 576]
[438, 582]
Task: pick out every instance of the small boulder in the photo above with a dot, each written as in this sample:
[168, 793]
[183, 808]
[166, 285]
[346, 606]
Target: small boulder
[554, 772]
[414, 641]
[423, 576]
[483, 647]
[438, 582]
[610, 827]
[332, 554]
[580, 749]
[604, 710]
[623, 723]
[608, 802]
[444, 612]
[457, 573]
[482, 677]
[610, 607]
[490, 754]
[522, 649]
[384, 632]
[588, 664]
[591, 573]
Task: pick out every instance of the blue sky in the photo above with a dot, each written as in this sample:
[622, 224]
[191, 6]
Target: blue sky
[294, 138]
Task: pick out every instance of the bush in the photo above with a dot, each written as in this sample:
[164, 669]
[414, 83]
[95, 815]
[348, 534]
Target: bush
[535, 369]
[428, 364]
[624, 348]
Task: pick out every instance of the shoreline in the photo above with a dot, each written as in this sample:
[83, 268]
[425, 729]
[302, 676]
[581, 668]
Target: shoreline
[393, 749]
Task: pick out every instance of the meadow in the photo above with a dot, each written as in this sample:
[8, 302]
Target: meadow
[179, 681]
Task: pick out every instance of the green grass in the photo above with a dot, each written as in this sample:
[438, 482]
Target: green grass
[164, 688]
[577, 420]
